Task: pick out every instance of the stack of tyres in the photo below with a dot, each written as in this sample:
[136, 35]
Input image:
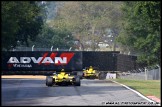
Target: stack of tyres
[102, 75]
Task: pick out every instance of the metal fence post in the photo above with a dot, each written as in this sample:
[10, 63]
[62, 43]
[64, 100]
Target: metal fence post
[51, 48]
[33, 47]
[145, 73]
[159, 71]
[70, 48]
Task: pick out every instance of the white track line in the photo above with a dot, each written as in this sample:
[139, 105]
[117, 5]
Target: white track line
[134, 91]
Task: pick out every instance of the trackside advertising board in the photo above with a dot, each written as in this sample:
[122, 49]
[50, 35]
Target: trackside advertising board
[36, 61]
[41, 61]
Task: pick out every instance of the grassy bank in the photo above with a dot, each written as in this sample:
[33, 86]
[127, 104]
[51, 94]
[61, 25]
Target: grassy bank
[145, 87]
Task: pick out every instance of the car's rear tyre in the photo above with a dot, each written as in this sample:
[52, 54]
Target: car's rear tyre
[77, 81]
[80, 74]
[49, 81]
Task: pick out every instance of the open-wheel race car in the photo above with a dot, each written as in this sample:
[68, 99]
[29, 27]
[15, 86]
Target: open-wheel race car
[90, 73]
[62, 78]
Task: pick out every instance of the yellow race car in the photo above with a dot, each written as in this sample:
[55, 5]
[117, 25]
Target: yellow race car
[63, 78]
[90, 73]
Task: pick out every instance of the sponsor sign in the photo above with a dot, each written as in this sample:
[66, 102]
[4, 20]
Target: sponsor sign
[41, 60]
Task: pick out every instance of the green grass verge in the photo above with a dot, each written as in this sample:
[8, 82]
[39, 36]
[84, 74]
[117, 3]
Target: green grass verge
[145, 87]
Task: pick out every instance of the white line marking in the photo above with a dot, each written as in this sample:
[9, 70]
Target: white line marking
[134, 91]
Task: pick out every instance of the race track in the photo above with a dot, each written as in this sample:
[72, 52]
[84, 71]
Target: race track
[34, 92]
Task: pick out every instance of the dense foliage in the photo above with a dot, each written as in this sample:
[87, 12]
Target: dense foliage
[141, 30]
[21, 21]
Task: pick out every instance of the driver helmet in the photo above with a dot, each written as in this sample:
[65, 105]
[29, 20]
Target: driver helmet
[90, 67]
[62, 72]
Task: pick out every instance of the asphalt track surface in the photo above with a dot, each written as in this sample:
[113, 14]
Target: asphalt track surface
[34, 92]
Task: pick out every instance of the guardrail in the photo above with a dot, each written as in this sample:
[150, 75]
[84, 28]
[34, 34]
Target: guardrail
[146, 73]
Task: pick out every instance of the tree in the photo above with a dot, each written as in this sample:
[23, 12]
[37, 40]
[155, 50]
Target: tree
[58, 38]
[88, 21]
[20, 21]
[141, 30]
[51, 9]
